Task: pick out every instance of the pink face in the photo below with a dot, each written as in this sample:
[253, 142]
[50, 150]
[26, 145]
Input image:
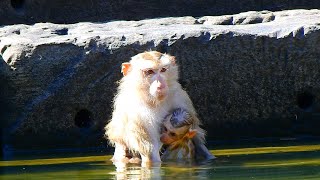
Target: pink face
[158, 85]
[154, 72]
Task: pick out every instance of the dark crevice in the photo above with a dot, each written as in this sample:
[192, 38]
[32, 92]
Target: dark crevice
[83, 119]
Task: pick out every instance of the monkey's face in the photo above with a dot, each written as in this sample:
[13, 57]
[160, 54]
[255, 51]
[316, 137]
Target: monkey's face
[157, 78]
[170, 134]
[154, 72]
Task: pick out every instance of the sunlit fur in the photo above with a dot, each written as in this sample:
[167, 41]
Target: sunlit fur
[137, 115]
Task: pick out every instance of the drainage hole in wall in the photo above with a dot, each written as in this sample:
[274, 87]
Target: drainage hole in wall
[305, 100]
[83, 119]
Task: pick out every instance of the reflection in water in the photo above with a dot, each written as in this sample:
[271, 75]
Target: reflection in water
[172, 169]
[134, 171]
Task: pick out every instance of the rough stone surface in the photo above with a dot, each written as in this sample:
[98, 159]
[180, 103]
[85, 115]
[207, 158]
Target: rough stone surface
[72, 11]
[254, 74]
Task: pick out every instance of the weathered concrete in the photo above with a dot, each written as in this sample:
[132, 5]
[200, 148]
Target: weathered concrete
[72, 11]
[257, 76]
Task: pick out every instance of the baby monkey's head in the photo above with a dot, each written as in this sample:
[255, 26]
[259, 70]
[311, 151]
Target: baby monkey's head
[176, 128]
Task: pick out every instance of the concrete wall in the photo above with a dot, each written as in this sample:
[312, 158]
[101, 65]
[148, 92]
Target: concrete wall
[252, 74]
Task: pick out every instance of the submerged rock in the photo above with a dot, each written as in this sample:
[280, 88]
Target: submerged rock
[251, 74]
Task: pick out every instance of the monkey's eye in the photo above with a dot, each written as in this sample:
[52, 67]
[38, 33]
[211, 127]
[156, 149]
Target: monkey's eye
[163, 69]
[148, 72]
[172, 134]
[164, 129]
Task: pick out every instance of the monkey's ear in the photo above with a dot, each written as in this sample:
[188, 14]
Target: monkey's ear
[191, 133]
[172, 60]
[125, 68]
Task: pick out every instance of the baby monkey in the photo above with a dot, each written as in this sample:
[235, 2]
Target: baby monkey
[177, 134]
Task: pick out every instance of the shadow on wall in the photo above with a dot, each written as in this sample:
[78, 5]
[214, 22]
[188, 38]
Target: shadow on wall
[304, 122]
[6, 106]
[6, 92]
[72, 11]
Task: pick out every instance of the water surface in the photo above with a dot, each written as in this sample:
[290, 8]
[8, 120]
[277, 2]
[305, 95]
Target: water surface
[277, 162]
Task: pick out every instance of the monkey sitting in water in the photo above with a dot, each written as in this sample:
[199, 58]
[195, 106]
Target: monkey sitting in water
[177, 134]
[147, 92]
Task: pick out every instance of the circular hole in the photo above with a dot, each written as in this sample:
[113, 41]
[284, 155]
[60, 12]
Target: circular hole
[83, 119]
[305, 100]
[17, 4]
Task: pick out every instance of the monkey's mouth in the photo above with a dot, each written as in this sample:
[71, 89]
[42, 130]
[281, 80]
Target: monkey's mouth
[161, 95]
[161, 92]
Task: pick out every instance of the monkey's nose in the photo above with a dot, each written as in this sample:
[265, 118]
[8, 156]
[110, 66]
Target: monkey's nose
[160, 85]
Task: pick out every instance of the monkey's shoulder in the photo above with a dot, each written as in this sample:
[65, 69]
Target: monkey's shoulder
[180, 99]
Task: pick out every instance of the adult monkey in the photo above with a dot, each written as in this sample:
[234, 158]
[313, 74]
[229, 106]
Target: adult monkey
[148, 91]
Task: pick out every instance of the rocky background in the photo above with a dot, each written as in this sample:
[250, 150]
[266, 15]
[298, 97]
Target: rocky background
[252, 74]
